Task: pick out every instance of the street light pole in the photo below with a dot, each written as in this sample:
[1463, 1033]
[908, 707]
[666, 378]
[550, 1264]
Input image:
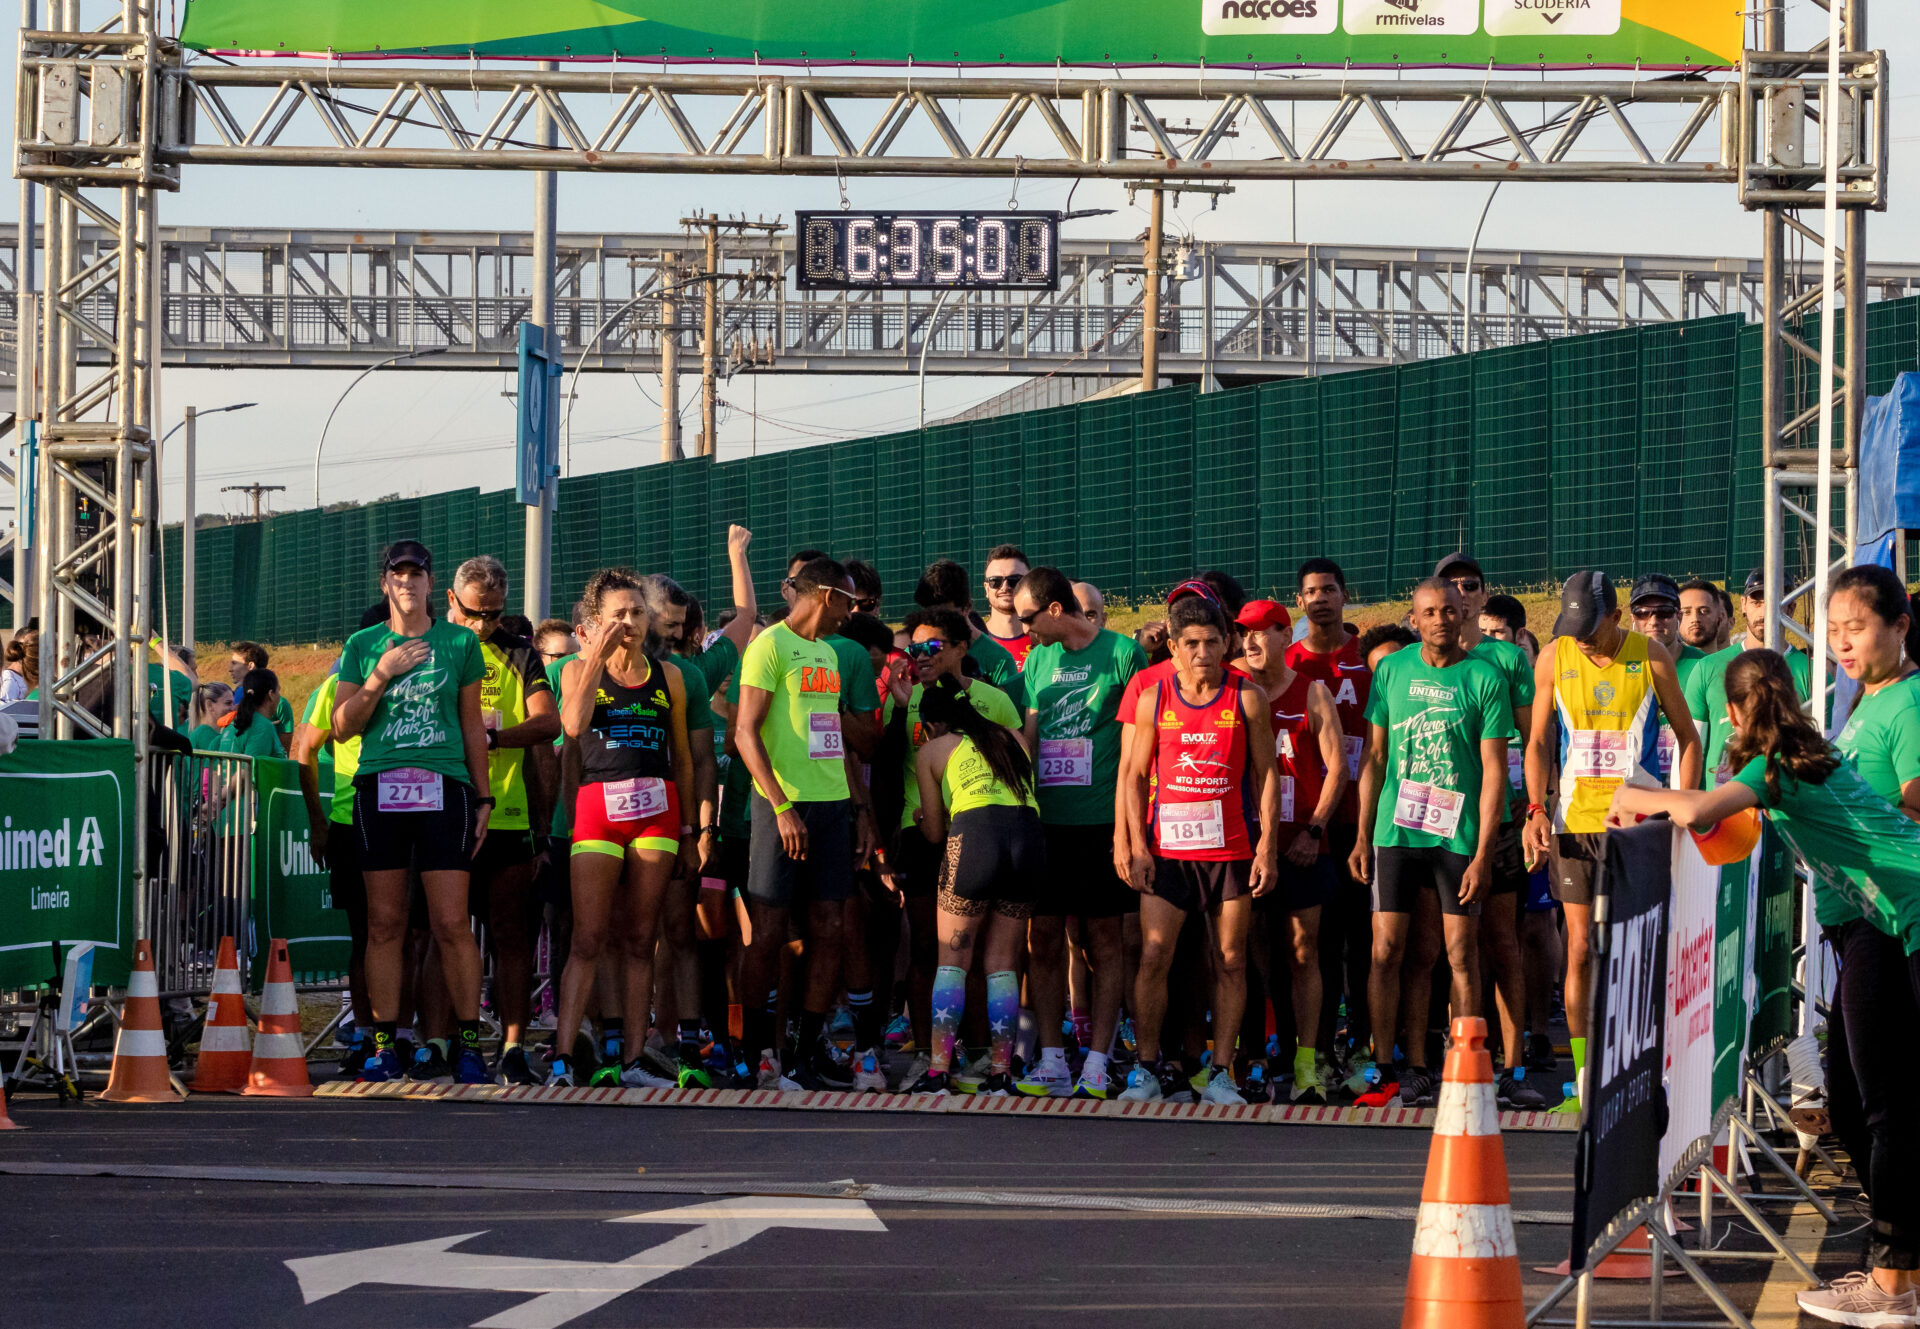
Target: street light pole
[926, 344]
[190, 506]
[391, 360]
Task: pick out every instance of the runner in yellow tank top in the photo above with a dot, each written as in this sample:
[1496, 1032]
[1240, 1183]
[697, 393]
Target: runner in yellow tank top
[1597, 689]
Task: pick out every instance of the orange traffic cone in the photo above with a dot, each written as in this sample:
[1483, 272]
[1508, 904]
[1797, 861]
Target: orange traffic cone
[7, 1123]
[1466, 1267]
[225, 1049]
[279, 1067]
[140, 1072]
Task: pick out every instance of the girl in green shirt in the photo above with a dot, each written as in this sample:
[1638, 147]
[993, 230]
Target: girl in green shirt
[976, 794]
[1864, 859]
[249, 735]
[1869, 626]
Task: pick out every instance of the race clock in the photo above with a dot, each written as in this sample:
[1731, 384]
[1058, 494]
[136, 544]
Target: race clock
[929, 250]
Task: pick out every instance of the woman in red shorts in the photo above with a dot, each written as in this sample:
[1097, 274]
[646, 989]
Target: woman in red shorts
[628, 713]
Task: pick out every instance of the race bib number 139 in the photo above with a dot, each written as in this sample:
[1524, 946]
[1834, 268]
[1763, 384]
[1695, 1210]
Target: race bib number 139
[1429, 808]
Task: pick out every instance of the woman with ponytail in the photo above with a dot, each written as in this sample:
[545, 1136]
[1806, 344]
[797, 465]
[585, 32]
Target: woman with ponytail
[249, 735]
[1864, 858]
[976, 793]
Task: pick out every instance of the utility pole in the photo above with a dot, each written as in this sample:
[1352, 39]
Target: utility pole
[710, 280]
[537, 577]
[670, 375]
[1154, 273]
[256, 492]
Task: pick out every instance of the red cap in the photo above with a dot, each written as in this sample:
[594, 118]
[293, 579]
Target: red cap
[1193, 586]
[1265, 614]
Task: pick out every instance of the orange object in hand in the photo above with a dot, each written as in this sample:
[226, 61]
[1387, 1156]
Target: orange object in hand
[1730, 841]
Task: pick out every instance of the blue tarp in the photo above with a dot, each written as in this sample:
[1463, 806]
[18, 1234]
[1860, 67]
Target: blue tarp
[1890, 464]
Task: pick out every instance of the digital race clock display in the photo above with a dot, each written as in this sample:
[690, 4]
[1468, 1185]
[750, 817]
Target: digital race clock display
[991, 250]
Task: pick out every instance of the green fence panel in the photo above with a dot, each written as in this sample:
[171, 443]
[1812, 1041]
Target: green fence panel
[641, 515]
[431, 531]
[578, 538]
[682, 485]
[462, 508]
[1289, 482]
[1747, 490]
[1596, 426]
[1226, 481]
[946, 495]
[767, 503]
[1688, 385]
[810, 501]
[1358, 423]
[851, 504]
[1432, 468]
[1893, 342]
[1107, 494]
[899, 529]
[1511, 449]
[243, 565]
[1051, 473]
[999, 498]
[358, 574]
[1163, 491]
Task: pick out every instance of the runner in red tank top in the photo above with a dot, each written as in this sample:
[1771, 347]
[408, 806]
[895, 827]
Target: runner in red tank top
[1312, 777]
[1206, 741]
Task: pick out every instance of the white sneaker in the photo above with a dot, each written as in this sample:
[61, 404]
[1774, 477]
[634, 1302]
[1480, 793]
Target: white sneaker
[1143, 1086]
[919, 1066]
[1855, 1299]
[1048, 1079]
[1221, 1089]
[869, 1072]
[638, 1076]
[770, 1076]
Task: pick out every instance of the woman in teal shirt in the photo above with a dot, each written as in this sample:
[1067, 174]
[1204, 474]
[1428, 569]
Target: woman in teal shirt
[1864, 858]
[1869, 624]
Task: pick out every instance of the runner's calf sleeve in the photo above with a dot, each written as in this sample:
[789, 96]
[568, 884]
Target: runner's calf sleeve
[949, 1001]
[1003, 1017]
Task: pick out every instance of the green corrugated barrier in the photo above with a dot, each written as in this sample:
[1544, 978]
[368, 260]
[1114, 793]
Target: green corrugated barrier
[1634, 450]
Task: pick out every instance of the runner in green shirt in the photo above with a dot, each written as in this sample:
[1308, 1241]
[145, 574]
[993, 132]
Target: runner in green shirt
[211, 702]
[1432, 790]
[1869, 621]
[944, 585]
[246, 655]
[250, 735]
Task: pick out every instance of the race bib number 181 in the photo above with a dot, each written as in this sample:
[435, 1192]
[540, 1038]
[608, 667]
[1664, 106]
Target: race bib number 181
[1192, 826]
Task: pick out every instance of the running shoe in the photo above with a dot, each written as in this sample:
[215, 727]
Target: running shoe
[691, 1074]
[1416, 1087]
[899, 1035]
[1089, 1087]
[1143, 1086]
[1519, 1093]
[869, 1073]
[1540, 1054]
[932, 1082]
[559, 1074]
[641, 1075]
[1857, 1300]
[919, 1066]
[1569, 1105]
[605, 1076]
[997, 1085]
[379, 1068]
[769, 1075]
[1308, 1088]
[469, 1067]
[658, 1061]
[1221, 1089]
[821, 1074]
[1381, 1092]
[354, 1057]
[1360, 1079]
[1049, 1079]
[1256, 1088]
[514, 1068]
[430, 1066]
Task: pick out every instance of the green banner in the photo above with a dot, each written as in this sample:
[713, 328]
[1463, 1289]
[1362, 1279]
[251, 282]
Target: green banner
[292, 895]
[67, 860]
[1580, 34]
[1773, 944]
[1732, 969]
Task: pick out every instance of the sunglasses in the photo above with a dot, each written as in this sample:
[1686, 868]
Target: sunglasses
[925, 650]
[1662, 612]
[1026, 620]
[836, 590]
[485, 615]
[869, 605]
[1466, 585]
[1011, 583]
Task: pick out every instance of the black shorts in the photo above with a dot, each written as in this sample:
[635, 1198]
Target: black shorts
[1080, 880]
[348, 887]
[996, 859]
[1400, 873]
[824, 876]
[916, 865]
[1194, 884]
[440, 841]
[1309, 887]
[730, 862]
[1509, 862]
[1573, 861]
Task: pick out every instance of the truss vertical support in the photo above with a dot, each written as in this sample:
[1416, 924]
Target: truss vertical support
[537, 576]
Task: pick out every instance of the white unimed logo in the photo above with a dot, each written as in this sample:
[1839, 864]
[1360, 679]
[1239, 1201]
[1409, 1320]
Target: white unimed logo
[1553, 18]
[1221, 18]
[37, 848]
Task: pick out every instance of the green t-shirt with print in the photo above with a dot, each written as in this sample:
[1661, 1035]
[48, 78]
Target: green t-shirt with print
[802, 729]
[416, 722]
[1076, 697]
[1705, 689]
[990, 701]
[1882, 737]
[1863, 855]
[346, 756]
[1435, 721]
[996, 663]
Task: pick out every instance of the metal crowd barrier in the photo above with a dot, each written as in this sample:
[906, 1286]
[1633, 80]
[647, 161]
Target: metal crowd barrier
[201, 864]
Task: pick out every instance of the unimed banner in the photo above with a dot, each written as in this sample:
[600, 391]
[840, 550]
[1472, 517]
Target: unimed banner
[292, 894]
[1616, 1159]
[1650, 34]
[67, 860]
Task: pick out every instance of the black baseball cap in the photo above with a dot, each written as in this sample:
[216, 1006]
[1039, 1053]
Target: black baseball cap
[1585, 600]
[1756, 588]
[404, 552]
[1459, 558]
[1655, 586]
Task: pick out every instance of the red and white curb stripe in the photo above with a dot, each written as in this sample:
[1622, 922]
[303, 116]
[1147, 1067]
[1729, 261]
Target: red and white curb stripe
[848, 1101]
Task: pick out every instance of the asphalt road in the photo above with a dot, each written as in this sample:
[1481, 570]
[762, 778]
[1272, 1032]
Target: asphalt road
[192, 1246]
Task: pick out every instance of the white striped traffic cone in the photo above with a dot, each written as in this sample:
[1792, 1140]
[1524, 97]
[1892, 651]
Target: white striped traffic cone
[1466, 1266]
[226, 1052]
[140, 1072]
[279, 1068]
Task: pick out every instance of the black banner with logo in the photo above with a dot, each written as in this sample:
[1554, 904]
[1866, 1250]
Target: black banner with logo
[1617, 1160]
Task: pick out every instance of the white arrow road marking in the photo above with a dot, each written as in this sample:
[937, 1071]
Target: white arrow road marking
[570, 1288]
